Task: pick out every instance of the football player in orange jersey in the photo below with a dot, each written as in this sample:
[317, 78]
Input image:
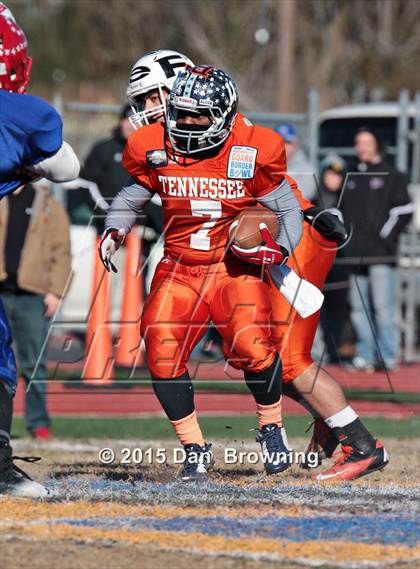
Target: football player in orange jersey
[336, 421]
[294, 337]
[304, 380]
[207, 164]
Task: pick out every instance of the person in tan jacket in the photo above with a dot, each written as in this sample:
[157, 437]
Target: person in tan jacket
[35, 267]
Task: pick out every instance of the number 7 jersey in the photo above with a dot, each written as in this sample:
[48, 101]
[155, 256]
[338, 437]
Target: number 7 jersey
[200, 198]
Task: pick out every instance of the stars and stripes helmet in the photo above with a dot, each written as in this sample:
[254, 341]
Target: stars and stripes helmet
[15, 65]
[155, 70]
[201, 90]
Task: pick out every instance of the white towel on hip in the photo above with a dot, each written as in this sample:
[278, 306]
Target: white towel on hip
[305, 297]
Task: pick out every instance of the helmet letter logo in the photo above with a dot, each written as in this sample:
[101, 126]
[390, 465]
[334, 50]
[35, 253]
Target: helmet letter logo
[139, 73]
[170, 63]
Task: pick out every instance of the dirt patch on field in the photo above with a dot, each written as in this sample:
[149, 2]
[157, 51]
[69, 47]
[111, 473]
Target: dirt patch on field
[63, 555]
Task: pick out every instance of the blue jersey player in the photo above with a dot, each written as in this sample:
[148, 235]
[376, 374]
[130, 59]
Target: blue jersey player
[31, 147]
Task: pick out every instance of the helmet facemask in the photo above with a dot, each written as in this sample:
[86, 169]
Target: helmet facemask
[193, 138]
[17, 76]
[141, 116]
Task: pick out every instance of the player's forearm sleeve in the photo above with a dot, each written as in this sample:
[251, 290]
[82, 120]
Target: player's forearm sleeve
[126, 206]
[62, 166]
[283, 202]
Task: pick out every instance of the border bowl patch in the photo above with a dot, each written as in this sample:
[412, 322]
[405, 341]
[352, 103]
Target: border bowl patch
[242, 162]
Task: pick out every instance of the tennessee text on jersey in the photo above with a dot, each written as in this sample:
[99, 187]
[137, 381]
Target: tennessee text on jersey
[202, 187]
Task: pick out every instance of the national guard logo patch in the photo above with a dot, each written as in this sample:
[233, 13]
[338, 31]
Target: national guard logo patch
[156, 158]
[242, 162]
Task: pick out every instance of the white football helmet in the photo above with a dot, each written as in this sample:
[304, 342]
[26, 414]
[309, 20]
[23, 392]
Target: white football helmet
[155, 70]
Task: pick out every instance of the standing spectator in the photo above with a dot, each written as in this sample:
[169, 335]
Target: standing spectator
[103, 167]
[298, 165]
[334, 311]
[34, 269]
[104, 176]
[376, 208]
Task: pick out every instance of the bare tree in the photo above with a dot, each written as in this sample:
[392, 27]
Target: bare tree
[286, 14]
[337, 46]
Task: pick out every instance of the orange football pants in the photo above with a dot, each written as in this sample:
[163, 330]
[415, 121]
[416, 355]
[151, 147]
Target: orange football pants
[184, 298]
[293, 335]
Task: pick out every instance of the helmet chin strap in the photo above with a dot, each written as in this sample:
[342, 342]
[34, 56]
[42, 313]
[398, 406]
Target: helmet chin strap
[27, 73]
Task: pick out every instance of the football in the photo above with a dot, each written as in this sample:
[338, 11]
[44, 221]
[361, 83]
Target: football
[245, 228]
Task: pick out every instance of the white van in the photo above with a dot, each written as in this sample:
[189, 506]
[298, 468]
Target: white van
[390, 120]
[395, 125]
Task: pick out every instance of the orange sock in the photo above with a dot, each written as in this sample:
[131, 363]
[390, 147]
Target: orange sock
[268, 414]
[188, 430]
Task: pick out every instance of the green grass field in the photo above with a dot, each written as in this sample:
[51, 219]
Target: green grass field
[150, 428]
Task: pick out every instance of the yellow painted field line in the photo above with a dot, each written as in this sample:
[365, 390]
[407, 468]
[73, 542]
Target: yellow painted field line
[26, 510]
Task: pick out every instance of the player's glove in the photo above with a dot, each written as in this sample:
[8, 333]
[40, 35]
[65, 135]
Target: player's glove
[112, 239]
[329, 222]
[267, 253]
[25, 175]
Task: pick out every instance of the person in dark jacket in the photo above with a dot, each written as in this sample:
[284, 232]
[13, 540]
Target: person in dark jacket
[376, 208]
[334, 311]
[103, 176]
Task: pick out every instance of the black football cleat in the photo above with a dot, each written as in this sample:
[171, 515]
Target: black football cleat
[14, 481]
[198, 461]
[276, 453]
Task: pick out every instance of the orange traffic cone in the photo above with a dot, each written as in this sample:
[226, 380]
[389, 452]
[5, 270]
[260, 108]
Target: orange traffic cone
[99, 364]
[129, 352]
